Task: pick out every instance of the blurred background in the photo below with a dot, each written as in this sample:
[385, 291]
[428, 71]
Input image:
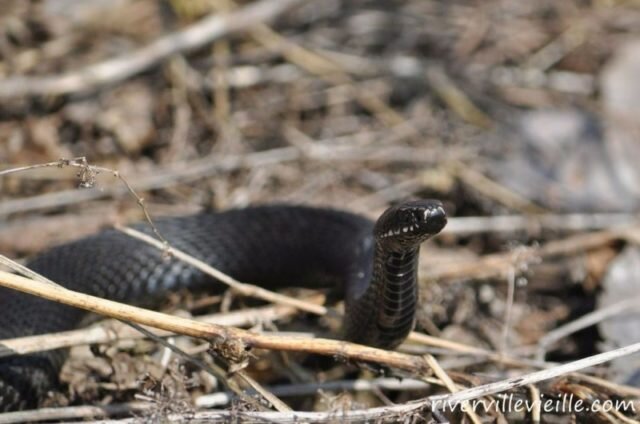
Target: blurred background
[524, 111]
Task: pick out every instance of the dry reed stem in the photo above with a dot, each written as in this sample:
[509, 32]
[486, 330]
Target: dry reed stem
[534, 393]
[212, 369]
[499, 264]
[493, 190]
[451, 386]
[88, 173]
[267, 295]
[323, 67]
[208, 400]
[537, 223]
[237, 341]
[110, 331]
[278, 404]
[117, 69]
[415, 407]
[205, 167]
[332, 72]
[585, 321]
[456, 99]
[607, 385]
[168, 176]
[74, 413]
[538, 376]
[242, 288]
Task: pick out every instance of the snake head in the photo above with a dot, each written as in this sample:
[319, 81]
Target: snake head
[406, 225]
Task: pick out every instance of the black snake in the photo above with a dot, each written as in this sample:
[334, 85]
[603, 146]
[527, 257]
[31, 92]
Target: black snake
[375, 265]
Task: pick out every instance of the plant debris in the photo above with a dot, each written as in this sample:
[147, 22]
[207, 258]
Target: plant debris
[520, 116]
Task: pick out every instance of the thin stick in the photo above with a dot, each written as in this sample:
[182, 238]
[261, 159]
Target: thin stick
[259, 292]
[538, 376]
[242, 288]
[451, 386]
[534, 393]
[401, 410]
[110, 331]
[492, 189]
[305, 389]
[87, 175]
[607, 385]
[208, 401]
[508, 312]
[585, 321]
[535, 223]
[38, 343]
[212, 369]
[397, 413]
[238, 340]
[118, 69]
[169, 176]
[455, 98]
[278, 404]
[205, 167]
[74, 412]
[497, 265]
[264, 294]
[30, 167]
[474, 351]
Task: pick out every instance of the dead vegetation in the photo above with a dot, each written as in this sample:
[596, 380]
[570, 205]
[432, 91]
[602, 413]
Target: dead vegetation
[352, 104]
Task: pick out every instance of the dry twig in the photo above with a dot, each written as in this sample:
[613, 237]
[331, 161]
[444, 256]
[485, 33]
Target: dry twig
[118, 69]
[499, 264]
[110, 331]
[236, 340]
[205, 167]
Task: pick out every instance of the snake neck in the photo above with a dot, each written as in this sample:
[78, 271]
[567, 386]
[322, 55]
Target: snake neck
[383, 314]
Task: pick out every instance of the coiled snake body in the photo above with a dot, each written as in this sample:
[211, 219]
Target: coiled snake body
[374, 265]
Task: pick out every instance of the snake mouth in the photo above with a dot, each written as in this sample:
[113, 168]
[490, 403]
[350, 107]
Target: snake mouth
[435, 219]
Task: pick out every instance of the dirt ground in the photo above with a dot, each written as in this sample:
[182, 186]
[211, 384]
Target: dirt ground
[520, 116]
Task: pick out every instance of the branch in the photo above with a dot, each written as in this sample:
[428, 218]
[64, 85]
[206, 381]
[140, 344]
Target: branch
[230, 341]
[109, 331]
[536, 377]
[120, 68]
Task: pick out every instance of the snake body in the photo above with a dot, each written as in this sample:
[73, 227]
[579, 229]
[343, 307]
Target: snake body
[374, 264]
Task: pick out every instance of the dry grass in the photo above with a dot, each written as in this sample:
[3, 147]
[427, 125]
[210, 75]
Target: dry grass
[347, 104]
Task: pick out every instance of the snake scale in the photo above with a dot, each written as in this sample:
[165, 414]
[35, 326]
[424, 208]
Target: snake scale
[373, 264]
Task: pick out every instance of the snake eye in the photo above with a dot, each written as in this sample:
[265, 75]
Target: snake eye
[408, 218]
